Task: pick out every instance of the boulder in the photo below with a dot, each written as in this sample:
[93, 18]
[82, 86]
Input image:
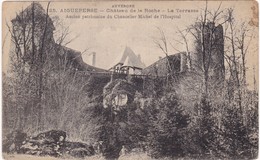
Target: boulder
[49, 150]
[52, 136]
[79, 152]
[47, 143]
[50, 143]
[29, 148]
[78, 149]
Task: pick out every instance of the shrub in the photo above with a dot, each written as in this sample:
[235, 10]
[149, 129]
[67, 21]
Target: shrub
[165, 137]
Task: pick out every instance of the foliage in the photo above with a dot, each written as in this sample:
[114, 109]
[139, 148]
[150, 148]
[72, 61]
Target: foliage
[206, 126]
[237, 135]
[126, 127]
[43, 87]
[165, 133]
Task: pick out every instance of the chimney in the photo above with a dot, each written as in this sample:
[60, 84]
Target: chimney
[94, 59]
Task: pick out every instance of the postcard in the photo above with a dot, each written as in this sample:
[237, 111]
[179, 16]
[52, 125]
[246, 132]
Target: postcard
[130, 79]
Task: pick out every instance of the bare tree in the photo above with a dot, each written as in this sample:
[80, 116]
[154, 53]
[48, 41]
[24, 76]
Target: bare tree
[207, 40]
[163, 44]
[30, 35]
[244, 39]
[183, 35]
[239, 36]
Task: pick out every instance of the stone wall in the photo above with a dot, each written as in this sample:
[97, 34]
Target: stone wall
[160, 68]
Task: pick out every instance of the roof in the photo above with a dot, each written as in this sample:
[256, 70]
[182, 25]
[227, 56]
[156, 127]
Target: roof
[129, 58]
[75, 56]
[127, 62]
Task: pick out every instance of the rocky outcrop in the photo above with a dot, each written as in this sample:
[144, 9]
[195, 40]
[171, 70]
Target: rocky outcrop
[118, 93]
[78, 149]
[50, 143]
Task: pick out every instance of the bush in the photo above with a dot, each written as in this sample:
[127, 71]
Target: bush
[14, 141]
[167, 125]
[237, 141]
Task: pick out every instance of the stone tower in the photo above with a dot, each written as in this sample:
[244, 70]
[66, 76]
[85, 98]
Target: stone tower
[209, 51]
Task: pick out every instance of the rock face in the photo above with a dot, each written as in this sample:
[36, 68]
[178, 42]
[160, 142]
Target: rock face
[118, 93]
[56, 136]
[51, 143]
[47, 143]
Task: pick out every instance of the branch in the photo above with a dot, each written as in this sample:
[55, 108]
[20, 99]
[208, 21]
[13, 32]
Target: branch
[71, 40]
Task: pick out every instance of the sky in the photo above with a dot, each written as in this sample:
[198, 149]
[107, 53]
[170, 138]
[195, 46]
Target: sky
[109, 37]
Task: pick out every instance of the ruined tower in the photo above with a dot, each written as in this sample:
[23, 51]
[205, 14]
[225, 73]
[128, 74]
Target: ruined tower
[208, 53]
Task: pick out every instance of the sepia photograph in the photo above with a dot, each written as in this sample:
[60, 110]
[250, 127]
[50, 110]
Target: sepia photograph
[130, 80]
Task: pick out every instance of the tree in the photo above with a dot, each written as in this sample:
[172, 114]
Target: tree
[208, 134]
[31, 34]
[162, 44]
[44, 80]
[209, 49]
[239, 36]
[236, 141]
[167, 125]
